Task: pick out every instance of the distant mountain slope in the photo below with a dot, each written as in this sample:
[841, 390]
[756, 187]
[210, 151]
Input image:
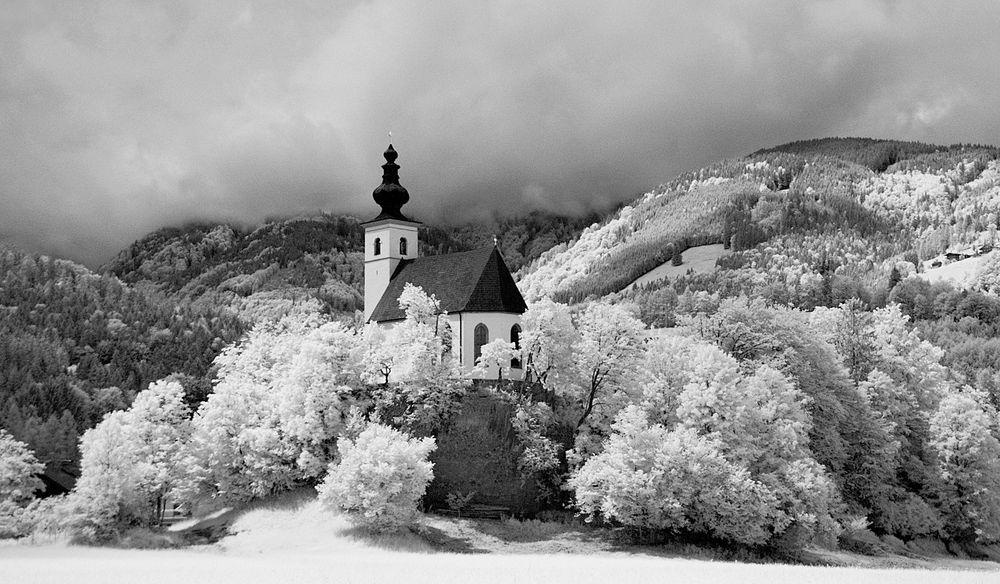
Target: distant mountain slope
[878, 154]
[75, 345]
[872, 153]
[844, 206]
[312, 262]
[255, 272]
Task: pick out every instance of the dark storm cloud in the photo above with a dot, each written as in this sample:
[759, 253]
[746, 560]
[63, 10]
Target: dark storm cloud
[118, 117]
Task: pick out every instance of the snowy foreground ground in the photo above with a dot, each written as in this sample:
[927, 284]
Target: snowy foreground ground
[84, 566]
[305, 545]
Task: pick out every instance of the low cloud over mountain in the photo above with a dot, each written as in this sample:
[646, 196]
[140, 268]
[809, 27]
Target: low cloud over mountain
[118, 117]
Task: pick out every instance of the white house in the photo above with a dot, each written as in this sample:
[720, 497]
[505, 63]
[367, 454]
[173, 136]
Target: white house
[475, 288]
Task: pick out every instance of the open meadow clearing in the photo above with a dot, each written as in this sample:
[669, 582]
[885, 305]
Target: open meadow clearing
[699, 260]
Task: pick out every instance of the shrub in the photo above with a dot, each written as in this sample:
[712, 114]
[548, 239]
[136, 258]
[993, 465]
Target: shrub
[49, 517]
[380, 478]
[14, 520]
[906, 515]
[857, 538]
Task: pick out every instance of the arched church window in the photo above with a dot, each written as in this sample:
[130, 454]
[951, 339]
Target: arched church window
[402, 246]
[515, 337]
[446, 338]
[378, 246]
[480, 337]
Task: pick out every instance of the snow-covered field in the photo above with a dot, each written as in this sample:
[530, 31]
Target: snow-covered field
[27, 565]
[307, 545]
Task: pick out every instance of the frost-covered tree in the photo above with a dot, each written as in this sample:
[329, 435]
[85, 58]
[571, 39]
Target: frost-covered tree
[547, 340]
[906, 358]
[411, 349]
[379, 478]
[757, 421]
[417, 341]
[418, 306]
[845, 435]
[112, 470]
[377, 355]
[901, 379]
[314, 394]
[281, 398]
[675, 480]
[587, 367]
[498, 354]
[423, 388]
[19, 470]
[743, 328]
[131, 461]
[761, 424]
[159, 422]
[963, 433]
[848, 328]
[890, 401]
[605, 358]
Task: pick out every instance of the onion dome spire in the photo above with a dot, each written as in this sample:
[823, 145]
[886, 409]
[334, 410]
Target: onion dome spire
[390, 195]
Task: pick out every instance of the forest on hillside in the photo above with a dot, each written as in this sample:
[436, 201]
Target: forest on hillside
[826, 194]
[306, 263]
[76, 345]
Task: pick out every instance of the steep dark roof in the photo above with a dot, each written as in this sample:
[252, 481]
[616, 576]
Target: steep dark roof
[470, 281]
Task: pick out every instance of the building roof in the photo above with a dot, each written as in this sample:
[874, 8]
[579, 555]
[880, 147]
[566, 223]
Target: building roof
[470, 281]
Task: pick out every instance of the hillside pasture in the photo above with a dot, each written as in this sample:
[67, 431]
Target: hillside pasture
[608, 257]
[961, 273]
[699, 260]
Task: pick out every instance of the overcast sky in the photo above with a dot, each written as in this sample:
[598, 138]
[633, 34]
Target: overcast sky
[119, 117]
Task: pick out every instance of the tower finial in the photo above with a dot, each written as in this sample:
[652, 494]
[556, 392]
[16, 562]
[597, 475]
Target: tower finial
[390, 195]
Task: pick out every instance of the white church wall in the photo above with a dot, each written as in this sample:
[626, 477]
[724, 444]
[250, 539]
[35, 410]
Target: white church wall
[498, 325]
[463, 326]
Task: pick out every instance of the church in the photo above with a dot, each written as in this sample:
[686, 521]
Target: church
[479, 299]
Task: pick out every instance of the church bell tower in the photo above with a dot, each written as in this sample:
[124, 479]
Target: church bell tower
[390, 237]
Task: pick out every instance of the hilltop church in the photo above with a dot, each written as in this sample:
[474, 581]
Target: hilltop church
[475, 288]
